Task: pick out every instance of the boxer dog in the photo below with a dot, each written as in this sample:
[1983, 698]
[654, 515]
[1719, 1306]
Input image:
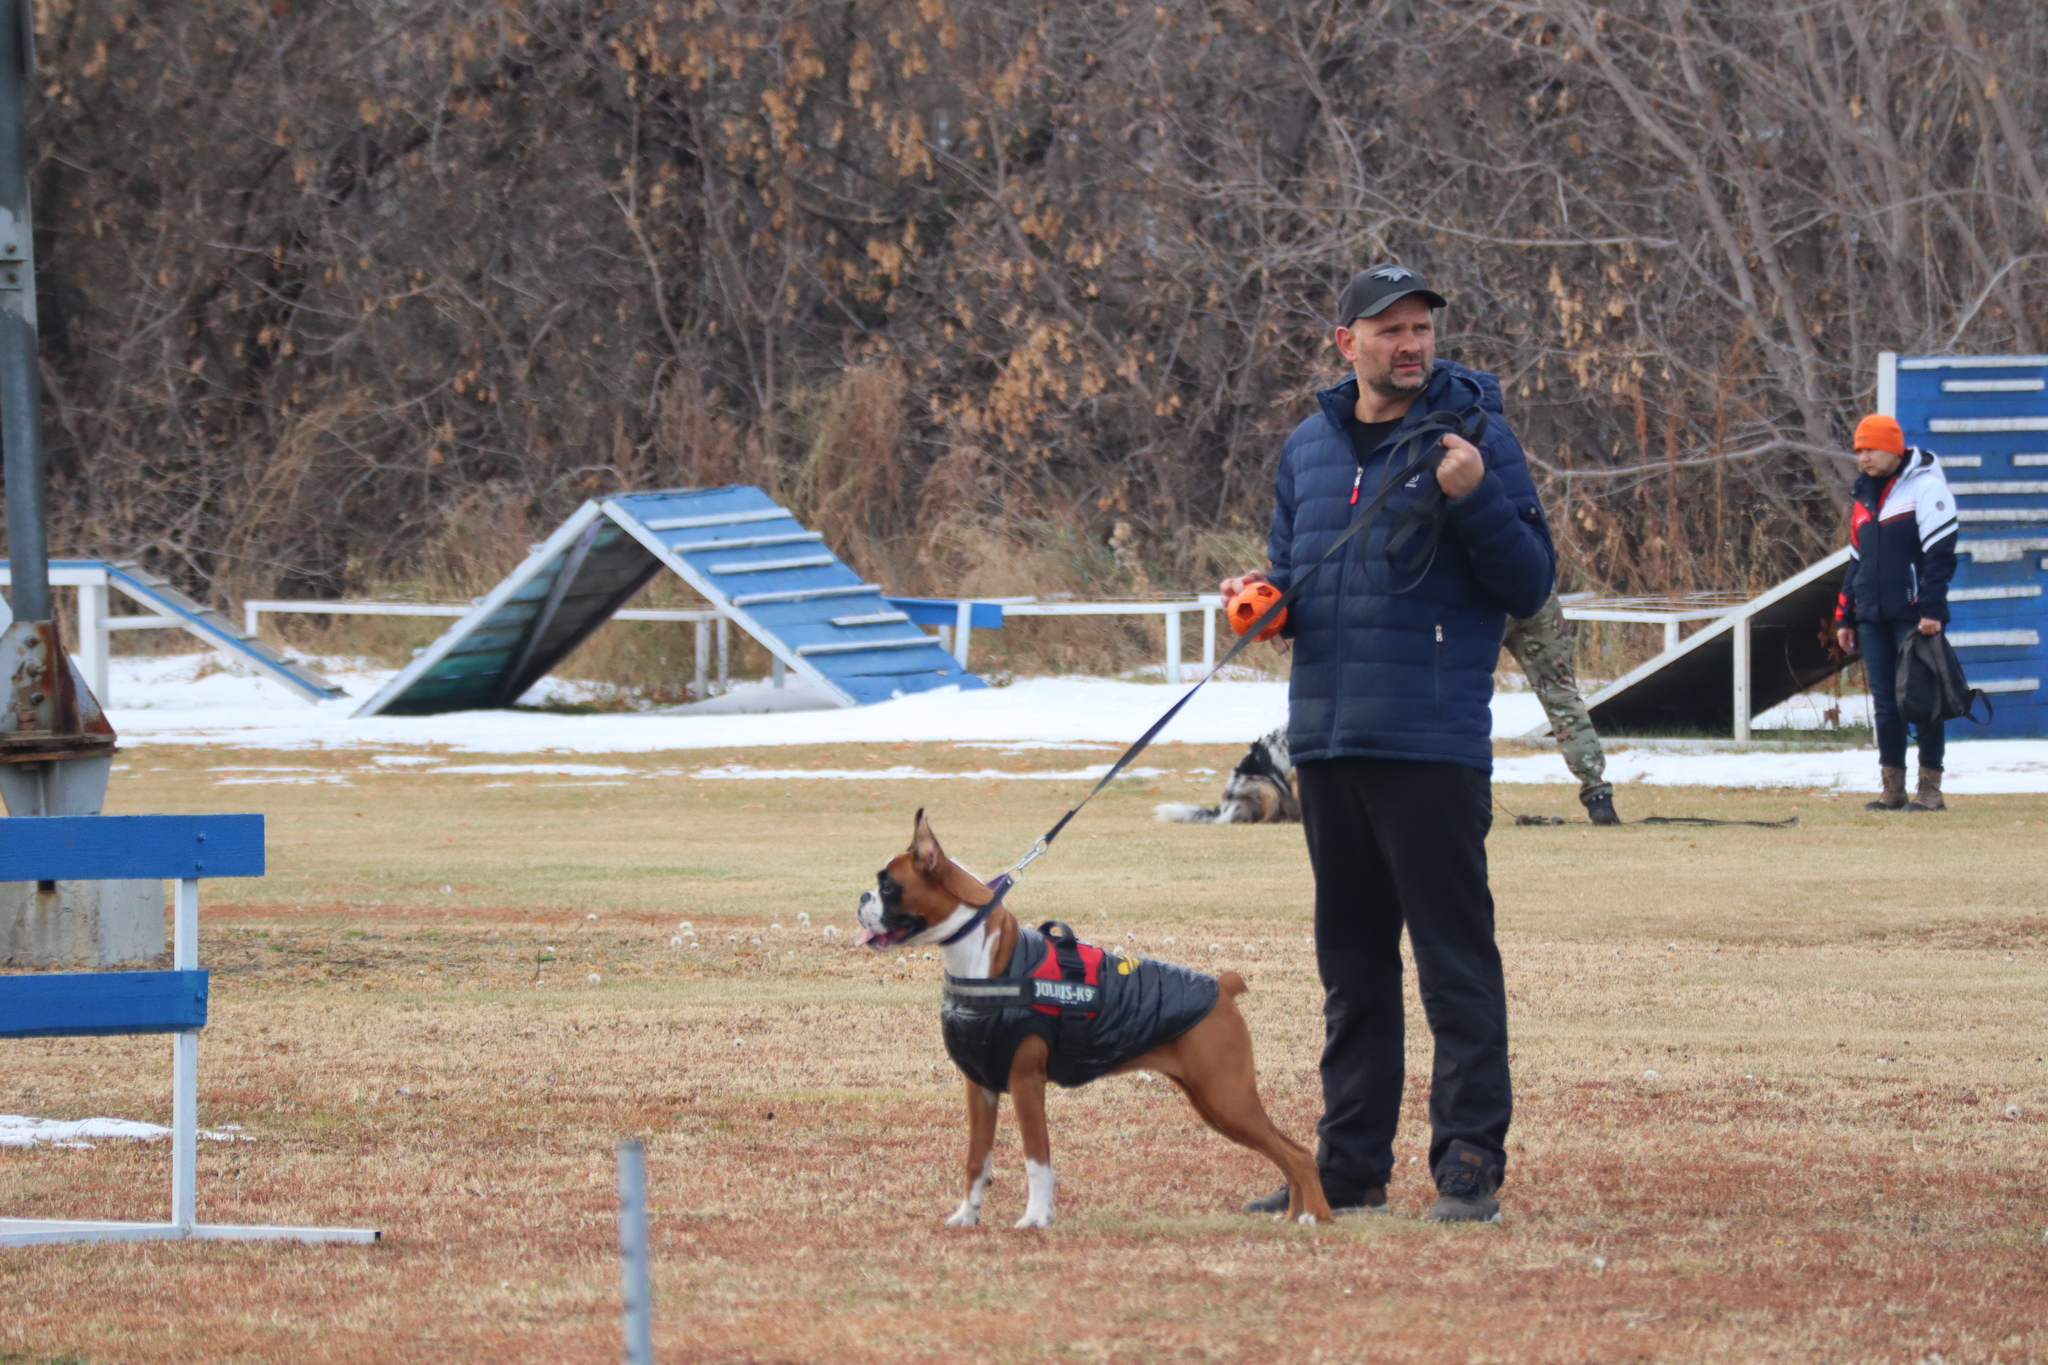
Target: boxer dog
[1025, 1006]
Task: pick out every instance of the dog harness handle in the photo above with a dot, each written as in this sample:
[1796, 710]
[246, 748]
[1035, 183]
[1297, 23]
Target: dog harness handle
[1073, 1002]
[1427, 436]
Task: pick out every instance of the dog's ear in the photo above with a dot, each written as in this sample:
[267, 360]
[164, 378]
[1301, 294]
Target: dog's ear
[924, 848]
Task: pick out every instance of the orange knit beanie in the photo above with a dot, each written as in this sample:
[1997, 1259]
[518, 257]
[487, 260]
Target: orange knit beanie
[1879, 432]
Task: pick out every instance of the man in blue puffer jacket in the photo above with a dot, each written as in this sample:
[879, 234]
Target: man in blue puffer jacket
[1391, 734]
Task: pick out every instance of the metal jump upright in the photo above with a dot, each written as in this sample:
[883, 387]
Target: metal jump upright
[181, 848]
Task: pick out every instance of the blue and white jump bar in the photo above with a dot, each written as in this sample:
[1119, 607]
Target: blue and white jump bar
[182, 848]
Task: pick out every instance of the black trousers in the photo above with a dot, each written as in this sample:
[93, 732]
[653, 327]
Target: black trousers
[1880, 642]
[1396, 843]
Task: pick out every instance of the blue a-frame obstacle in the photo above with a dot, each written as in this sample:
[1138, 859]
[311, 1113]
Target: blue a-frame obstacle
[742, 552]
[182, 848]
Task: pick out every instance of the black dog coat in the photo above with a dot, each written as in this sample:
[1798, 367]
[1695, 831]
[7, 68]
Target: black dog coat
[1095, 1010]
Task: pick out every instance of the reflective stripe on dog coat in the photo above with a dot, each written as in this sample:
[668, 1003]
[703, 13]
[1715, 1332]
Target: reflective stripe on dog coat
[1130, 1005]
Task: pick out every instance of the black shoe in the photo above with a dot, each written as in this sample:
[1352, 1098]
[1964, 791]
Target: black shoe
[1372, 1201]
[1601, 808]
[1465, 1182]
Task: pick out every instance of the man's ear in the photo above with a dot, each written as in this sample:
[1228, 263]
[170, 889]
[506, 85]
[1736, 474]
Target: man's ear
[924, 848]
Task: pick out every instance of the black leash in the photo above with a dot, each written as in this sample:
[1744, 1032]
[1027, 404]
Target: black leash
[1427, 436]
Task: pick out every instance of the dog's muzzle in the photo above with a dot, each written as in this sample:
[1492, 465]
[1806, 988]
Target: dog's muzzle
[875, 932]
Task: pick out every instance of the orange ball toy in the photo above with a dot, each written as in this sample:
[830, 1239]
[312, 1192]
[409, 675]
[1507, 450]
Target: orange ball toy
[1250, 604]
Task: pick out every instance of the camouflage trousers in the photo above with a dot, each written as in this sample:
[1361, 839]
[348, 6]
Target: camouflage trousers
[1542, 645]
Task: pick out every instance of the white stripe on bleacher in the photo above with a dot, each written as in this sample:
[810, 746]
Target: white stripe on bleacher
[1964, 425]
[1992, 386]
[2004, 514]
[747, 542]
[2030, 459]
[2000, 551]
[1974, 362]
[890, 618]
[769, 565]
[848, 590]
[720, 519]
[855, 646]
[1991, 594]
[1986, 639]
[1994, 487]
[2005, 684]
[1962, 461]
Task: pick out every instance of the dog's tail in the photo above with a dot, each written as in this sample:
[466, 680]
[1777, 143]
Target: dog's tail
[1231, 984]
[1181, 813]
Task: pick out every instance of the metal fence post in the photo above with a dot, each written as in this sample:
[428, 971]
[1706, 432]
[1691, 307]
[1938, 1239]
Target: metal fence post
[1741, 679]
[633, 1253]
[963, 625]
[185, 1067]
[92, 637]
[1172, 646]
[701, 673]
[724, 654]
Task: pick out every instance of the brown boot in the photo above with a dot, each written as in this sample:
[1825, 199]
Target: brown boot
[1894, 789]
[1929, 795]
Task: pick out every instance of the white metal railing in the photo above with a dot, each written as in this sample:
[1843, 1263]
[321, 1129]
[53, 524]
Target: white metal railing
[1173, 668]
[1669, 610]
[955, 638]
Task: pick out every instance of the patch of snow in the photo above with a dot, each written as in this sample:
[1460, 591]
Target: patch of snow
[165, 700]
[19, 1130]
[1019, 746]
[902, 773]
[1977, 768]
[515, 769]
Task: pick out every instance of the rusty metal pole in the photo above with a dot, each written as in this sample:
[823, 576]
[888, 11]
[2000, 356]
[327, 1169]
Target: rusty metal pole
[28, 546]
[56, 746]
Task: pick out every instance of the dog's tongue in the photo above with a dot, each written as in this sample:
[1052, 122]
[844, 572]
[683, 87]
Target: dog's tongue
[864, 937]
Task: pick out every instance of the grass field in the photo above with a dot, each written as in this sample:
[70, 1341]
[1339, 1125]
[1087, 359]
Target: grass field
[1781, 1093]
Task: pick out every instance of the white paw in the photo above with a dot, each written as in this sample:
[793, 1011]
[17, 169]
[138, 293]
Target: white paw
[1035, 1218]
[1307, 1220]
[966, 1216]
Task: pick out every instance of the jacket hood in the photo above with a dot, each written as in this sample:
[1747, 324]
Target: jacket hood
[1452, 387]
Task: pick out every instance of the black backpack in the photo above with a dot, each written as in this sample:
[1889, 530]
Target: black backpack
[1930, 683]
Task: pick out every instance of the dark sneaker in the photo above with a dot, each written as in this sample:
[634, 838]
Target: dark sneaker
[1372, 1201]
[1601, 809]
[1465, 1182]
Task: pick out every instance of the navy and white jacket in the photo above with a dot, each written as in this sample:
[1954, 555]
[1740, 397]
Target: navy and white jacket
[1403, 675]
[1902, 545]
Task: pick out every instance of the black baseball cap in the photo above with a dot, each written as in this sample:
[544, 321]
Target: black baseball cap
[1370, 291]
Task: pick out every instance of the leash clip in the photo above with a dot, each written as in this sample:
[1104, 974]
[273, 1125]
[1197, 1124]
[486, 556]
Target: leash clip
[1037, 851]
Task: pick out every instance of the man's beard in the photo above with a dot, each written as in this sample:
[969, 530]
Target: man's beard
[1386, 386]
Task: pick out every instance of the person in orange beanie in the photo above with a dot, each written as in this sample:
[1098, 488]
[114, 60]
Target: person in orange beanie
[1902, 553]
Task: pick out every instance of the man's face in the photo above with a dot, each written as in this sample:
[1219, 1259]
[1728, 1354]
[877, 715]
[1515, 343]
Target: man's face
[1878, 464]
[1392, 353]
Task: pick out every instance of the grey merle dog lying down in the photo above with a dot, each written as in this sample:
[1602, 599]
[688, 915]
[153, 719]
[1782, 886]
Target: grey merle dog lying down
[1260, 790]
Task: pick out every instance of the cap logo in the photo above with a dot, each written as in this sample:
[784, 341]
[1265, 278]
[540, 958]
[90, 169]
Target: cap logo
[1392, 274]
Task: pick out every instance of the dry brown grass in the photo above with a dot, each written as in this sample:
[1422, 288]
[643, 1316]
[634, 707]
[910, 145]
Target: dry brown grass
[1840, 1016]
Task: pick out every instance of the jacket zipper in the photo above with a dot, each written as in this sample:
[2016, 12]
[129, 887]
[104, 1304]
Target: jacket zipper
[1436, 672]
[1344, 572]
[1913, 579]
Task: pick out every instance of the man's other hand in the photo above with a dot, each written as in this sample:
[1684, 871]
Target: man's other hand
[1461, 469]
[1846, 638]
[1233, 586]
[1929, 626]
